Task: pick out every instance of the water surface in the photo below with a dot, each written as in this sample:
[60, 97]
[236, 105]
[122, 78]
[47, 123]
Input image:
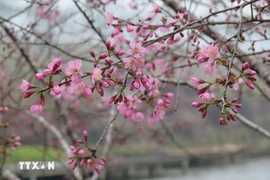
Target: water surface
[254, 169]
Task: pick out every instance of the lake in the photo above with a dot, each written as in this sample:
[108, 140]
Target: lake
[254, 169]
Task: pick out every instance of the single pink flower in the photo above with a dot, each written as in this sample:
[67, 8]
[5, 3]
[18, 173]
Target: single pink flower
[209, 69]
[96, 75]
[136, 117]
[109, 18]
[211, 52]
[74, 68]
[205, 97]
[136, 49]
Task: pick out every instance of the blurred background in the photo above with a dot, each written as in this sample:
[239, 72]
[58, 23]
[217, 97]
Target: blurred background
[182, 146]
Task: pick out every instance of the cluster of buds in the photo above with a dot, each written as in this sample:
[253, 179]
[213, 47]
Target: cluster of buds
[85, 156]
[3, 110]
[55, 67]
[248, 74]
[225, 116]
[13, 142]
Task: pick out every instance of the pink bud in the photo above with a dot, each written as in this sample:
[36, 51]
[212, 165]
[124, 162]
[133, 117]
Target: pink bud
[232, 117]
[112, 47]
[17, 144]
[39, 76]
[238, 105]
[72, 148]
[160, 102]
[74, 166]
[252, 78]
[92, 53]
[245, 66]
[89, 161]
[103, 56]
[250, 85]
[120, 52]
[222, 121]
[196, 104]
[234, 110]
[85, 135]
[108, 44]
[101, 162]
[234, 100]
[104, 84]
[196, 81]
[110, 82]
[169, 96]
[111, 100]
[129, 28]
[71, 160]
[28, 94]
[250, 73]
[81, 152]
[97, 169]
[203, 115]
[100, 90]
[80, 141]
[83, 162]
[108, 60]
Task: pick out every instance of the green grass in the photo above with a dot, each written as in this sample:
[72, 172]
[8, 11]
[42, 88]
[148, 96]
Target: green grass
[34, 153]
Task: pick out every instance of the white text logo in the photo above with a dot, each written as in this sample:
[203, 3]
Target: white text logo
[36, 165]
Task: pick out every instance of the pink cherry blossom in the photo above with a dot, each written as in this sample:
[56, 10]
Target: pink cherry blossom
[133, 63]
[137, 116]
[109, 18]
[74, 68]
[211, 52]
[96, 75]
[136, 49]
[209, 69]
[205, 97]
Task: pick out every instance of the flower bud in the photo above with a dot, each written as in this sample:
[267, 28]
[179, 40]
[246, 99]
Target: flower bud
[85, 135]
[245, 66]
[250, 85]
[92, 53]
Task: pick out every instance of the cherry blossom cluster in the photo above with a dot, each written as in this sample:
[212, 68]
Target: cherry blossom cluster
[48, 14]
[234, 82]
[85, 156]
[75, 82]
[144, 29]
[11, 142]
